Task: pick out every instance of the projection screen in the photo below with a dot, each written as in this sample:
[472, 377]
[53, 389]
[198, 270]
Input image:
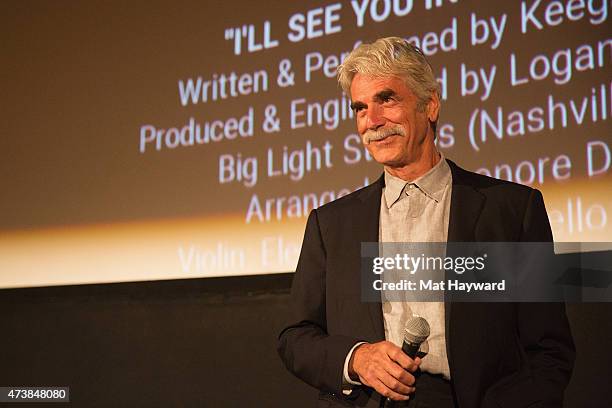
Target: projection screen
[161, 140]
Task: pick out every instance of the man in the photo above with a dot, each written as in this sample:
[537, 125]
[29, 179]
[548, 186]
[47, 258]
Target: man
[481, 355]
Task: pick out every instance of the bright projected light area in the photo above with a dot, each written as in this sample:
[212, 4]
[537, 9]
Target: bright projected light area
[147, 141]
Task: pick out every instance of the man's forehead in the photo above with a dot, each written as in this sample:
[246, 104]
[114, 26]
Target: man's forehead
[366, 86]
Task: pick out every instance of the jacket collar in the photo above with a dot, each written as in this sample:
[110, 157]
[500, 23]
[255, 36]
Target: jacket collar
[466, 205]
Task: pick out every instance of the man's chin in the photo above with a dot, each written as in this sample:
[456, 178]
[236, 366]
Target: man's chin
[386, 158]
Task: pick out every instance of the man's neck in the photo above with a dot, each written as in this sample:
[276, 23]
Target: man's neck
[413, 171]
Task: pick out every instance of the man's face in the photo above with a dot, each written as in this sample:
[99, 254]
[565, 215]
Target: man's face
[393, 130]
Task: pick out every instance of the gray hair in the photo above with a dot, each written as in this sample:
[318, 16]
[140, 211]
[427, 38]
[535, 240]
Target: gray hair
[391, 56]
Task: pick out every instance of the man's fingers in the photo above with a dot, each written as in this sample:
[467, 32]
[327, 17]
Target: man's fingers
[395, 384]
[397, 355]
[390, 366]
[403, 376]
[384, 367]
[385, 391]
[393, 376]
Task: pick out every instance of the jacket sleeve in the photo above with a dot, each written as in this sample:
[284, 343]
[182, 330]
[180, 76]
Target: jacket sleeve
[305, 346]
[543, 329]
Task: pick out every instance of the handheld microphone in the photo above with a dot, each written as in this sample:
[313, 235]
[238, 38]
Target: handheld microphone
[415, 333]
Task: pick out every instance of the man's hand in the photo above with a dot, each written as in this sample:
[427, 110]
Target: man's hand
[384, 367]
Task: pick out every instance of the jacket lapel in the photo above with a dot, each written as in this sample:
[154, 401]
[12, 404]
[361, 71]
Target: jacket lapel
[466, 206]
[367, 227]
[465, 209]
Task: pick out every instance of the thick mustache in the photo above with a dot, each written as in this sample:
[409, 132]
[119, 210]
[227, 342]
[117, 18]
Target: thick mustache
[379, 134]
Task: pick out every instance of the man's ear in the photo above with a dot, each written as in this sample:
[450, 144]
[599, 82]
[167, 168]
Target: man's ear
[433, 107]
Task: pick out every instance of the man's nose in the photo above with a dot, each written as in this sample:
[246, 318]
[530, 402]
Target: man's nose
[375, 118]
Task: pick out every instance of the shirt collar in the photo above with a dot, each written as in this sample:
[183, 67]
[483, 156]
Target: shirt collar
[432, 183]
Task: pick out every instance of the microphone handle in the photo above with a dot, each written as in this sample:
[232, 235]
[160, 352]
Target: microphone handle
[411, 350]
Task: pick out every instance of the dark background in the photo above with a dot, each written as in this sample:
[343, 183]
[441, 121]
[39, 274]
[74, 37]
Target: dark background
[198, 343]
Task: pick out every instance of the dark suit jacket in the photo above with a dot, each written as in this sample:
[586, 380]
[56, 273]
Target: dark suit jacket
[500, 354]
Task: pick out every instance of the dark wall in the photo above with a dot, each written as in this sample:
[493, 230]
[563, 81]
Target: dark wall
[197, 343]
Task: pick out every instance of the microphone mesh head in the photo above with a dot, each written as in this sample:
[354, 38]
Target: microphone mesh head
[417, 330]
